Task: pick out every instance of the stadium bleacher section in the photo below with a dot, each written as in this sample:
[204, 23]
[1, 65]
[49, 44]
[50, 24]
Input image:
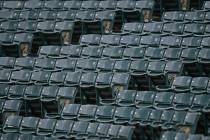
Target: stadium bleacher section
[104, 70]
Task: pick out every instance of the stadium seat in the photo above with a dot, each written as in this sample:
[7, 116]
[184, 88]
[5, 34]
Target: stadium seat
[153, 27]
[24, 63]
[28, 125]
[66, 64]
[49, 51]
[32, 92]
[144, 99]
[130, 40]
[90, 39]
[92, 51]
[191, 42]
[170, 41]
[113, 52]
[123, 114]
[174, 28]
[122, 66]
[89, 5]
[12, 136]
[53, 4]
[150, 41]
[27, 26]
[45, 127]
[29, 15]
[172, 53]
[66, 95]
[87, 112]
[183, 101]
[154, 53]
[21, 77]
[86, 64]
[107, 5]
[132, 28]
[7, 62]
[66, 15]
[194, 29]
[199, 85]
[71, 51]
[73, 78]
[173, 16]
[16, 92]
[78, 129]
[62, 128]
[34, 4]
[164, 100]
[12, 124]
[133, 53]
[45, 64]
[194, 16]
[57, 78]
[4, 90]
[70, 111]
[110, 40]
[13, 4]
[9, 15]
[126, 98]
[105, 113]
[72, 5]
[40, 77]
[141, 116]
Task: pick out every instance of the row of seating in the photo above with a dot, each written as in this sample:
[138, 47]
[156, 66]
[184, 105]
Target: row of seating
[143, 116]
[160, 100]
[182, 29]
[186, 16]
[186, 55]
[67, 128]
[15, 136]
[82, 5]
[172, 135]
[168, 119]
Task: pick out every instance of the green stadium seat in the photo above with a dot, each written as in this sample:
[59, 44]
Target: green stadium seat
[191, 42]
[57, 78]
[194, 16]
[49, 51]
[153, 27]
[29, 15]
[150, 41]
[123, 114]
[53, 4]
[7, 62]
[71, 51]
[130, 40]
[16, 92]
[45, 127]
[86, 64]
[170, 41]
[24, 63]
[132, 28]
[34, 4]
[73, 78]
[13, 4]
[87, 113]
[29, 125]
[92, 51]
[144, 98]
[89, 5]
[164, 100]
[21, 77]
[173, 16]
[70, 111]
[40, 77]
[12, 124]
[154, 53]
[126, 98]
[76, 5]
[113, 52]
[105, 114]
[110, 40]
[45, 64]
[66, 64]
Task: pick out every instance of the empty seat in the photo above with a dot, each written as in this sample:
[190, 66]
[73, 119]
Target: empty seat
[105, 113]
[21, 77]
[87, 112]
[105, 65]
[154, 53]
[13, 4]
[175, 28]
[134, 53]
[191, 42]
[25, 63]
[73, 78]
[70, 111]
[141, 116]
[66, 15]
[9, 14]
[40, 77]
[49, 51]
[194, 29]
[66, 64]
[183, 101]
[189, 55]
[29, 125]
[139, 67]
[85, 16]
[7, 62]
[133, 27]
[172, 53]
[123, 114]
[9, 26]
[29, 15]
[71, 51]
[12, 124]
[27, 26]
[126, 5]
[92, 51]
[200, 102]
[46, 26]
[153, 27]
[150, 41]
[57, 78]
[90, 39]
[164, 100]
[46, 64]
[62, 128]
[34, 4]
[72, 5]
[107, 4]
[173, 16]
[145, 98]
[90, 5]
[16, 92]
[122, 65]
[113, 52]
[53, 4]
[130, 40]
[194, 16]
[170, 41]
[110, 40]
[45, 126]
[86, 64]
[33, 92]
[182, 83]
[126, 98]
